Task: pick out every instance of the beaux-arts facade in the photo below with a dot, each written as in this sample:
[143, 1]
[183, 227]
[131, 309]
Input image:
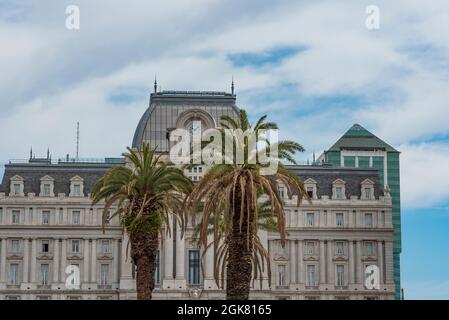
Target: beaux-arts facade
[47, 222]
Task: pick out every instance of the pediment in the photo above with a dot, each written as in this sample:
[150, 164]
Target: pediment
[310, 181]
[17, 178]
[47, 178]
[281, 258]
[310, 258]
[367, 182]
[76, 178]
[339, 181]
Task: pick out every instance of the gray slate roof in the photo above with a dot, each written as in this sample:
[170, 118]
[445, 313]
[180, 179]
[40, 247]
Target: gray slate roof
[62, 173]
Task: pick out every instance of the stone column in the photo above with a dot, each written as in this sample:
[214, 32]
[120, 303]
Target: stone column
[292, 262]
[351, 270]
[26, 255]
[126, 280]
[63, 259]
[3, 259]
[389, 262]
[330, 263]
[209, 282]
[33, 261]
[56, 261]
[116, 260]
[322, 263]
[180, 260]
[93, 269]
[301, 266]
[86, 261]
[380, 262]
[360, 271]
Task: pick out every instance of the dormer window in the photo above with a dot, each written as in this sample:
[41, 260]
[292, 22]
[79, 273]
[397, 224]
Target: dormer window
[367, 189]
[16, 186]
[338, 193]
[46, 190]
[47, 187]
[281, 192]
[338, 190]
[76, 187]
[310, 186]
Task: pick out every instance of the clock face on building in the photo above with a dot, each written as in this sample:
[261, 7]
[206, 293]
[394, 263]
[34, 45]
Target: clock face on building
[195, 126]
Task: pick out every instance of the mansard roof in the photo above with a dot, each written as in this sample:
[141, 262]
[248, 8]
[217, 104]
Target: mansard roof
[61, 174]
[174, 102]
[325, 176]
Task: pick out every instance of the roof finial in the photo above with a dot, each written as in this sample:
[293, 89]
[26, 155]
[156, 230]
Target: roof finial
[155, 83]
[31, 153]
[314, 157]
[232, 86]
[48, 153]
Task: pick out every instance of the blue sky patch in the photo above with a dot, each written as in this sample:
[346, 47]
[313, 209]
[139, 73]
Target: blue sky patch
[259, 59]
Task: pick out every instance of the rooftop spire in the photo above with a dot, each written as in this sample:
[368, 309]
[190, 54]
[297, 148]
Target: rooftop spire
[31, 153]
[48, 152]
[155, 83]
[232, 85]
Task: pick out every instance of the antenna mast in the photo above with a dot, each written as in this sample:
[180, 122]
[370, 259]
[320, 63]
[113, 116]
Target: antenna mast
[77, 140]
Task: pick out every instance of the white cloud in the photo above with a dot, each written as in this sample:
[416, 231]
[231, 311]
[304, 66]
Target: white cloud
[52, 77]
[424, 174]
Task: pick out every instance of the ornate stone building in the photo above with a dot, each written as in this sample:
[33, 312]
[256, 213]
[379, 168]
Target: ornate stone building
[47, 223]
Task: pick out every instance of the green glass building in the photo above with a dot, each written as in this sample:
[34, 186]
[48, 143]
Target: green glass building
[360, 148]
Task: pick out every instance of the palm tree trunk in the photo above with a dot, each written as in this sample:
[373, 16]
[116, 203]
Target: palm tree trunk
[144, 248]
[239, 266]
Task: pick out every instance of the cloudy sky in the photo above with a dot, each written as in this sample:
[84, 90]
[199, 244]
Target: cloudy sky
[311, 66]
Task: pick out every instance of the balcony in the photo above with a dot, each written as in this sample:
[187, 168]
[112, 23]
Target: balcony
[104, 287]
[44, 287]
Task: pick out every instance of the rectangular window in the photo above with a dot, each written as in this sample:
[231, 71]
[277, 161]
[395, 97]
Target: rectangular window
[340, 281]
[46, 190]
[45, 217]
[369, 248]
[14, 274]
[15, 246]
[104, 246]
[281, 276]
[338, 192]
[367, 193]
[16, 189]
[76, 217]
[194, 267]
[45, 246]
[15, 216]
[310, 192]
[310, 219]
[311, 275]
[77, 190]
[44, 274]
[200, 169]
[339, 219]
[368, 220]
[43, 298]
[281, 192]
[310, 247]
[75, 246]
[104, 274]
[339, 247]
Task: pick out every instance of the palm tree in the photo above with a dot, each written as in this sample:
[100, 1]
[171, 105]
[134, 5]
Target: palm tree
[229, 194]
[146, 193]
